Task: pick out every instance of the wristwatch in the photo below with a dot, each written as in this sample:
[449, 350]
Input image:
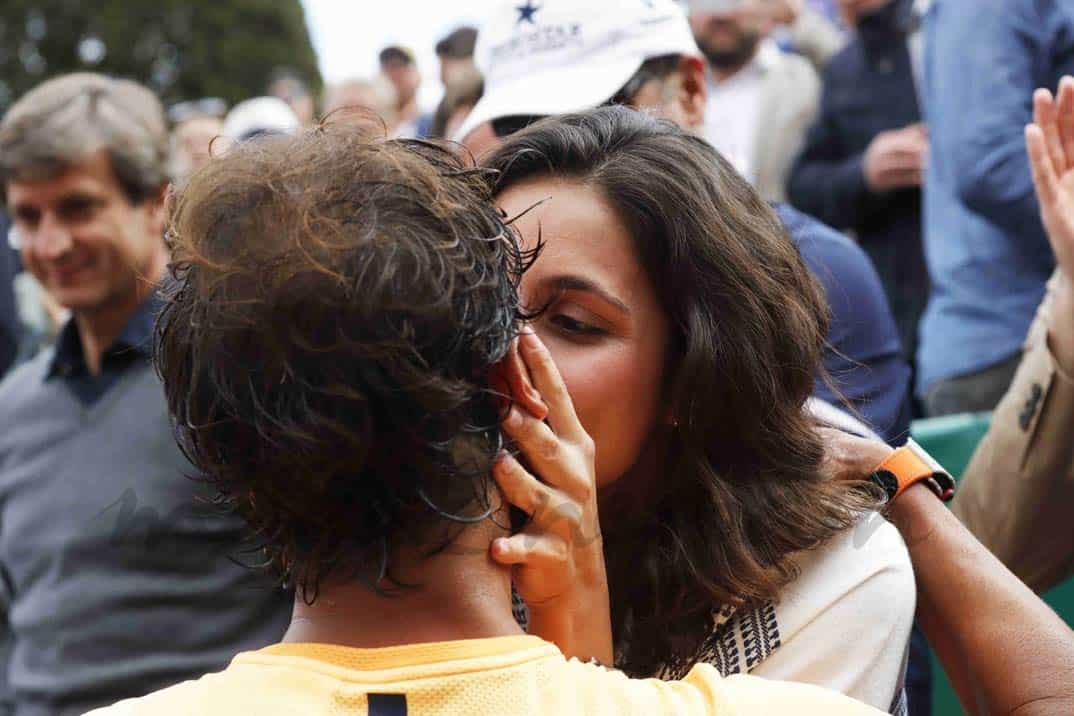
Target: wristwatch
[908, 466]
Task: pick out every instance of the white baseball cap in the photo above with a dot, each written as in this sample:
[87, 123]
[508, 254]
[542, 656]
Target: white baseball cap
[545, 57]
[260, 115]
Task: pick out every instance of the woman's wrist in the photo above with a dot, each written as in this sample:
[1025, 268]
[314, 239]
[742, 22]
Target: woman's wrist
[581, 630]
[578, 621]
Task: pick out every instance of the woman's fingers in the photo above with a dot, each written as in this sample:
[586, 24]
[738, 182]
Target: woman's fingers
[560, 465]
[549, 383]
[535, 550]
[520, 488]
[548, 508]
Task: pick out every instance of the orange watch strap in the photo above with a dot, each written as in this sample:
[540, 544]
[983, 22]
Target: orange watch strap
[907, 467]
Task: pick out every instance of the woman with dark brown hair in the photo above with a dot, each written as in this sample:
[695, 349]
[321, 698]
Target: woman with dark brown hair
[688, 331]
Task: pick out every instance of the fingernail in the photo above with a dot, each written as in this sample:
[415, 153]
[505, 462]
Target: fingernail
[514, 417]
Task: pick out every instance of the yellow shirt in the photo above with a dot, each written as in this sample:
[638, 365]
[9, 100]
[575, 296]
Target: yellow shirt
[507, 675]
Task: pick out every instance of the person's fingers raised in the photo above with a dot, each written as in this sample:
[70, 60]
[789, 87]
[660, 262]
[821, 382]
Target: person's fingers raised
[518, 486]
[557, 463]
[534, 550]
[549, 382]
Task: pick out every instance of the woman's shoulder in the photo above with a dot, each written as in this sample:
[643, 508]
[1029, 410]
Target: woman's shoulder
[845, 622]
[870, 558]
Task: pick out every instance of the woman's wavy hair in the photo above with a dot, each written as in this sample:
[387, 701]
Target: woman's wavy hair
[336, 306]
[741, 489]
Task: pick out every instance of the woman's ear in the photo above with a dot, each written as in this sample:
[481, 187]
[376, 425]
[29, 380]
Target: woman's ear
[693, 92]
[511, 378]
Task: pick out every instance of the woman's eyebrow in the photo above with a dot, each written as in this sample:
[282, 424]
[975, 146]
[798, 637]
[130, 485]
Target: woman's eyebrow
[570, 282]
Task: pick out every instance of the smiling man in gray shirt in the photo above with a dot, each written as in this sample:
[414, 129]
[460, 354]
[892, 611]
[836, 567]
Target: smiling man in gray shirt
[117, 574]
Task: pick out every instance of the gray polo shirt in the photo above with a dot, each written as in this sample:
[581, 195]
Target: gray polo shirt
[116, 577]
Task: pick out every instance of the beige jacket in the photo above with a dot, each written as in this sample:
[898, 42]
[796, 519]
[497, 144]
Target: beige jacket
[790, 100]
[816, 37]
[1017, 495]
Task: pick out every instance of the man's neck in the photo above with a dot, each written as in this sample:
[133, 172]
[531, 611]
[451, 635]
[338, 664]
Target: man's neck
[99, 328]
[408, 111]
[460, 594]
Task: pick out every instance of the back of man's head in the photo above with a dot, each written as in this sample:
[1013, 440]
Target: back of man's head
[65, 120]
[338, 305]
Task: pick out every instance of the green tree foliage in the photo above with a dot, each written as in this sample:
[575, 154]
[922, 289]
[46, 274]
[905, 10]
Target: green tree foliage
[183, 49]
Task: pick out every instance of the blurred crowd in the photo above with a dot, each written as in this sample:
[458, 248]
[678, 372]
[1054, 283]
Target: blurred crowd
[886, 139]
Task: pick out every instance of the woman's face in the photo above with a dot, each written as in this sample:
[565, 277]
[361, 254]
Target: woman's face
[604, 325]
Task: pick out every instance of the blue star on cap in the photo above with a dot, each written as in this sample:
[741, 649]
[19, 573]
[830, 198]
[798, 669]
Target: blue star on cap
[526, 12]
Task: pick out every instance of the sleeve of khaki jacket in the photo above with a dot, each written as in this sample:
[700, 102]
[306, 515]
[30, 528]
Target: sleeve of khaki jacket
[1017, 495]
[816, 37]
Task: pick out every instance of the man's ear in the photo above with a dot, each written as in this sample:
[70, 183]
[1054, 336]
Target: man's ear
[511, 378]
[157, 207]
[693, 92]
[481, 140]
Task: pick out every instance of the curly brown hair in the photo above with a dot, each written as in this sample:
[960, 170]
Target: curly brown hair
[741, 488]
[337, 304]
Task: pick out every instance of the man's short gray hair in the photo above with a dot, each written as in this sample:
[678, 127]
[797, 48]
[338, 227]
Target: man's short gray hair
[69, 118]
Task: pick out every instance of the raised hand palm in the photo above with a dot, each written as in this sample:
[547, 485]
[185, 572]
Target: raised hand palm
[1051, 153]
[1059, 220]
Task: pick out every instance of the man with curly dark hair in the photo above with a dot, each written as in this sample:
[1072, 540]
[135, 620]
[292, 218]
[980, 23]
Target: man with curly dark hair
[335, 348]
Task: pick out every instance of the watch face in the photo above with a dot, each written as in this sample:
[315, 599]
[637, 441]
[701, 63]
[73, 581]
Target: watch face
[887, 481]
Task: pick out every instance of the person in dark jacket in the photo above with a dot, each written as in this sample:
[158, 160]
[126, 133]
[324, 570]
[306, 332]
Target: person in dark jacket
[862, 164]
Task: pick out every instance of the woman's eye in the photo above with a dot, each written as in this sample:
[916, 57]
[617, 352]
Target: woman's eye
[567, 324]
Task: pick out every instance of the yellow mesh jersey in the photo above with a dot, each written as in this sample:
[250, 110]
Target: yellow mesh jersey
[507, 675]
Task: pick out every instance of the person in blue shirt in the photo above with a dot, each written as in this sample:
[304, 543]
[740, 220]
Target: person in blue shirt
[987, 253]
